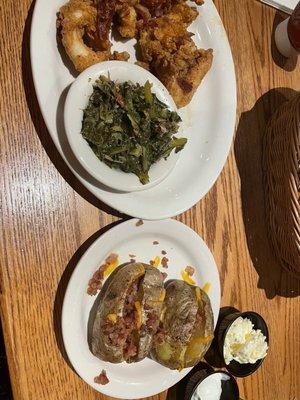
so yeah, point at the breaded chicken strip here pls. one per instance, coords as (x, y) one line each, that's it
(167, 47)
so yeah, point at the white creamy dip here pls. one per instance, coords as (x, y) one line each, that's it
(243, 343)
(210, 388)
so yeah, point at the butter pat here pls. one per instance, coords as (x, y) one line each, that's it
(243, 343)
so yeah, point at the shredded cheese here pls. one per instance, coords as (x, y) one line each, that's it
(111, 267)
(138, 314)
(198, 293)
(112, 318)
(156, 261)
(163, 295)
(206, 287)
(186, 277)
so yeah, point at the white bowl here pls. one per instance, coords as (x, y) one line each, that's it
(77, 100)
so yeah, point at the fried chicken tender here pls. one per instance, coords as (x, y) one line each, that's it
(172, 55)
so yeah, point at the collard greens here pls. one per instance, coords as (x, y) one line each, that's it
(128, 128)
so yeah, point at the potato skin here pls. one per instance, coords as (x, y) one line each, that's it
(112, 301)
(184, 344)
(152, 287)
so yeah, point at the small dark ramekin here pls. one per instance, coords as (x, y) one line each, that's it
(199, 376)
(234, 367)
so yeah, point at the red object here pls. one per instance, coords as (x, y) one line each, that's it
(293, 28)
(101, 379)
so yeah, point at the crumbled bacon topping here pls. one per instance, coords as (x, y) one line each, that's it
(95, 283)
(139, 222)
(155, 242)
(120, 332)
(111, 258)
(163, 252)
(164, 262)
(101, 379)
(190, 270)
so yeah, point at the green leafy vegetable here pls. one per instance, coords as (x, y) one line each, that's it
(128, 128)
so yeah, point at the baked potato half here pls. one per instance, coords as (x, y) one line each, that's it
(186, 326)
(128, 312)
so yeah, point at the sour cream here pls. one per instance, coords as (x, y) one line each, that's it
(243, 343)
(211, 387)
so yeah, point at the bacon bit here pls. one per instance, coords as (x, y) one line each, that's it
(90, 291)
(132, 260)
(95, 283)
(97, 275)
(155, 242)
(130, 350)
(112, 261)
(101, 379)
(163, 252)
(132, 256)
(164, 262)
(190, 270)
(139, 222)
(165, 275)
(113, 257)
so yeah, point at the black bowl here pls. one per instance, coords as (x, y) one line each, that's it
(234, 367)
(230, 390)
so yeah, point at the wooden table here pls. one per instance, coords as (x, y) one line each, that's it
(49, 218)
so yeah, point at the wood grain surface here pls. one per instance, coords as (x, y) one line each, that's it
(49, 218)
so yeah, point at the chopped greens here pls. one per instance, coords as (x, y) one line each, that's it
(128, 128)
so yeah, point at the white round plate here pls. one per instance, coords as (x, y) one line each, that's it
(208, 121)
(77, 100)
(184, 247)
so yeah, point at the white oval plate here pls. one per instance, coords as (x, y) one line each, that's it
(184, 247)
(208, 121)
(77, 100)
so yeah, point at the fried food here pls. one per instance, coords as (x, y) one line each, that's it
(77, 22)
(105, 12)
(158, 7)
(186, 326)
(172, 55)
(126, 19)
(166, 46)
(77, 18)
(128, 313)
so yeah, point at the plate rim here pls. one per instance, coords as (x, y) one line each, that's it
(118, 205)
(131, 224)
